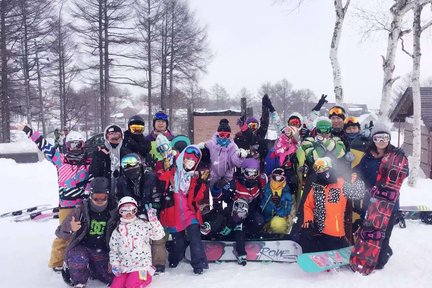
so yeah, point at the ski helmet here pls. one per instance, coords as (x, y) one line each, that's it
(323, 125)
(131, 165)
(191, 155)
(250, 168)
(100, 185)
(75, 142)
(295, 116)
(338, 111)
(160, 116)
(127, 200)
(322, 164)
(136, 124)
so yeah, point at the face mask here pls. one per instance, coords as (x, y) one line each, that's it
(351, 136)
(96, 208)
(326, 177)
(132, 173)
(224, 142)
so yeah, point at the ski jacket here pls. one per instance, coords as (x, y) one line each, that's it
(81, 212)
(137, 144)
(270, 209)
(250, 194)
(223, 160)
(130, 248)
(325, 205)
(330, 147)
(73, 175)
(152, 139)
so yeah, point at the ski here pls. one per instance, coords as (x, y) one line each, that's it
(24, 211)
(41, 215)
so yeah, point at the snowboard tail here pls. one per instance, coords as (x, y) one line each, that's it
(314, 262)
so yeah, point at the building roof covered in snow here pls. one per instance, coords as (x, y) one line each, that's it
(405, 107)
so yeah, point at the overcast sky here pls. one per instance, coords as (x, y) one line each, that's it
(255, 41)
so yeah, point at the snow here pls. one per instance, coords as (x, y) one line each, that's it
(25, 247)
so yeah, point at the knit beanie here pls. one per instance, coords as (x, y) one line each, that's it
(380, 128)
(224, 126)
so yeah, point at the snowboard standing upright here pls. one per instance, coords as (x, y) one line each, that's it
(392, 172)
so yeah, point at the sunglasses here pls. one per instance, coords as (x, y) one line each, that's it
(129, 209)
(161, 116)
(163, 148)
(129, 161)
(99, 197)
(381, 138)
(224, 134)
(253, 125)
(351, 120)
(320, 166)
(294, 122)
(336, 111)
(136, 128)
(250, 172)
(324, 130)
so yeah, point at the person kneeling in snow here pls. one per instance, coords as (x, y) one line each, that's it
(130, 250)
(89, 228)
(324, 209)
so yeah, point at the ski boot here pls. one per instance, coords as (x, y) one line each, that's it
(198, 271)
(160, 269)
(242, 260)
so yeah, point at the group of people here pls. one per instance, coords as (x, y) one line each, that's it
(118, 206)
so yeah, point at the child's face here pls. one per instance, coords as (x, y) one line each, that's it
(128, 211)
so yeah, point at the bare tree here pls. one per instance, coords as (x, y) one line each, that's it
(282, 90)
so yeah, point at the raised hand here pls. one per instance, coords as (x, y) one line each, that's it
(75, 224)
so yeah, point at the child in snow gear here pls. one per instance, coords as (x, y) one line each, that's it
(73, 177)
(276, 202)
(324, 208)
(88, 230)
(139, 182)
(134, 139)
(130, 252)
(184, 214)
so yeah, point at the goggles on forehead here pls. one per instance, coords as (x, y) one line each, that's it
(161, 116)
(336, 111)
(383, 137)
(129, 161)
(136, 128)
(128, 209)
(253, 125)
(351, 120)
(163, 148)
(294, 122)
(278, 175)
(324, 130)
(224, 134)
(320, 166)
(250, 172)
(192, 150)
(99, 197)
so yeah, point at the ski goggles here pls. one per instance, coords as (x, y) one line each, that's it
(136, 128)
(99, 197)
(161, 116)
(336, 111)
(320, 166)
(163, 148)
(129, 161)
(253, 125)
(224, 134)
(278, 175)
(351, 120)
(250, 173)
(75, 145)
(324, 130)
(128, 209)
(192, 153)
(294, 122)
(382, 137)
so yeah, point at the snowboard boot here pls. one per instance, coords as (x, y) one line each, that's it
(242, 260)
(198, 271)
(57, 269)
(160, 269)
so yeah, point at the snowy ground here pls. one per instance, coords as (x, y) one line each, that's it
(25, 247)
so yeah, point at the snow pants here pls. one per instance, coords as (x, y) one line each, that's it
(198, 256)
(59, 245)
(131, 280)
(311, 241)
(83, 261)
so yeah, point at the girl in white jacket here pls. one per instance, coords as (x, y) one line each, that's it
(130, 250)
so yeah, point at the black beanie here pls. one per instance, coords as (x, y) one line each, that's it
(136, 119)
(113, 128)
(224, 126)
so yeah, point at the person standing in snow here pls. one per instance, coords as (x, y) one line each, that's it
(130, 251)
(160, 127)
(88, 230)
(134, 139)
(73, 177)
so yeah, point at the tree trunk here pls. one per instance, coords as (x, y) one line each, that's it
(171, 64)
(101, 68)
(337, 32)
(415, 78)
(41, 104)
(5, 105)
(25, 61)
(149, 60)
(106, 65)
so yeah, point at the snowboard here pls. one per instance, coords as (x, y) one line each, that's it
(314, 262)
(391, 173)
(422, 212)
(285, 251)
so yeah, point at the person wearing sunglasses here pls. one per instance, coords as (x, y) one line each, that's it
(130, 249)
(368, 170)
(73, 171)
(182, 214)
(322, 226)
(134, 139)
(88, 230)
(276, 202)
(251, 136)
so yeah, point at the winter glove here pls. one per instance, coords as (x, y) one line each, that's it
(366, 133)
(151, 213)
(304, 132)
(320, 103)
(201, 145)
(242, 153)
(241, 120)
(349, 156)
(267, 103)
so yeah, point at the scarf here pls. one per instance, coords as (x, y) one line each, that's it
(114, 155)
(96, 208)
(276, 187)
(123, 220)
(224, 142)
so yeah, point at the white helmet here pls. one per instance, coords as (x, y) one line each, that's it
(74, 142)
(127, 200)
